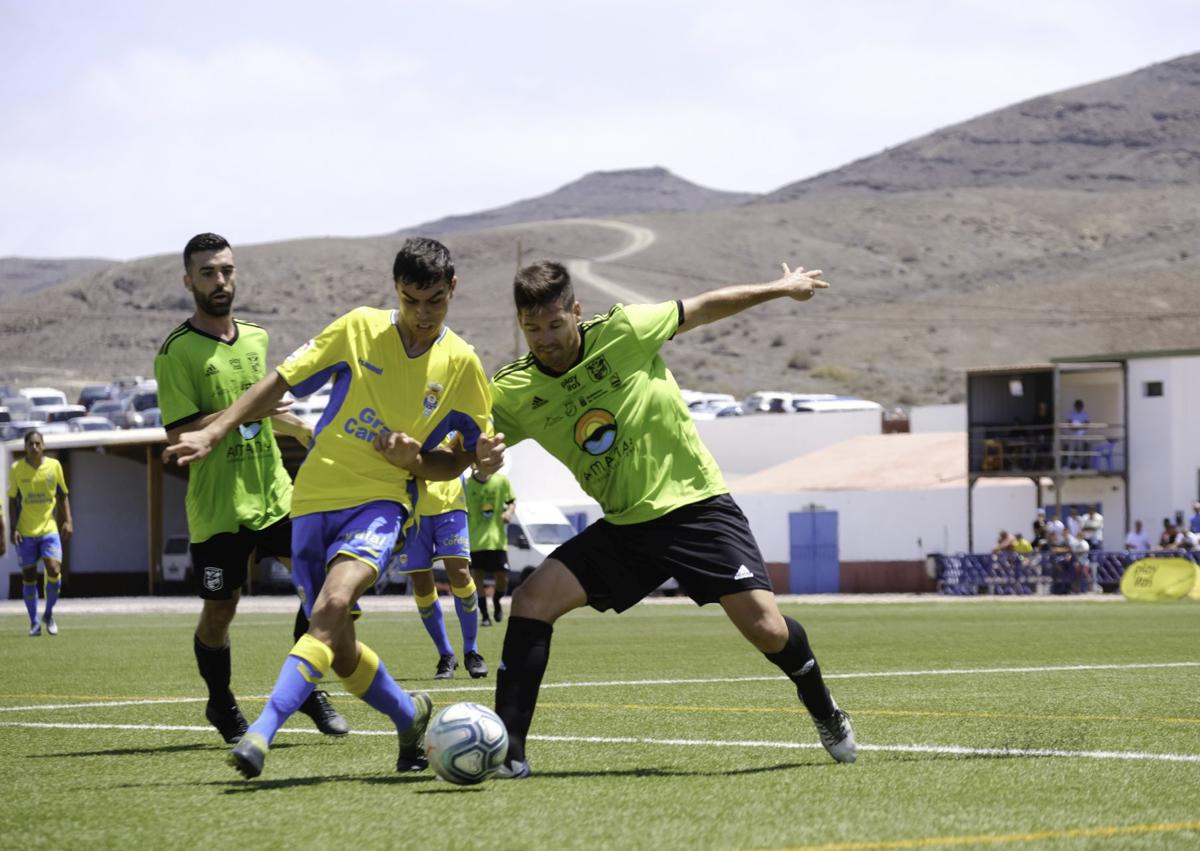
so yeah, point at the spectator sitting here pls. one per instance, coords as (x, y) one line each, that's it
(1005, 543)
(1074, 523)
(1194, 523)
(1021, 546)
(1137, 541)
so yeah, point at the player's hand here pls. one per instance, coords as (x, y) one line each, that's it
(283, 406)
(66, 530)
(398, 448)
(802, 284)
(192, 446)
(17, 537)
(489, 453)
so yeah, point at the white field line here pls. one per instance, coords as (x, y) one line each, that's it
(680, 681)
(949, 750)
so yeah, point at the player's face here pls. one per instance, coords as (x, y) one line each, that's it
(212, 281)
(35, 449)
(552, 334)
(422, 312)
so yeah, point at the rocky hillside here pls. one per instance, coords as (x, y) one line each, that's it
(601, 194)
(1137, 131)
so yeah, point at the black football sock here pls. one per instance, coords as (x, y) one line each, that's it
(522, 665)
(214, 664)
(301, 627)
(796, 659)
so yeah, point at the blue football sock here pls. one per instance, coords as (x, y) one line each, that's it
(466, 603)
(29, 592)
(435, 624)
(52, 588)
(304, 667)
(374, 686)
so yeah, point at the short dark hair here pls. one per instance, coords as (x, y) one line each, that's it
(423, 263)
(543, 284)
(202, 242)
(32, 433)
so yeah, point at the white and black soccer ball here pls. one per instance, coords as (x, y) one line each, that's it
(466, 743)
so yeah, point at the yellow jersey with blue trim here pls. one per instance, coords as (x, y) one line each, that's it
(437, 498)
(378, 387)
(37, 490)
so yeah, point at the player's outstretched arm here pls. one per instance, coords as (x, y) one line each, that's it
(287, 423)
(259, 401)
(713, 305)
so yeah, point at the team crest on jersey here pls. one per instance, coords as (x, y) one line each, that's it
(596, 431)
(597, 368)
(214, 578)
(430, 403)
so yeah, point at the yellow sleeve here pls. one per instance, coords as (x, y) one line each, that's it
(310, 366)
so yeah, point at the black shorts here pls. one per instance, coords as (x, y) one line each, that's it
(220, 563)
(489, 561)
(706, 546)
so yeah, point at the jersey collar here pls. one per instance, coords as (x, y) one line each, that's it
(237, 332)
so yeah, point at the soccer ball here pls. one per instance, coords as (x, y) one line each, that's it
(466, 743)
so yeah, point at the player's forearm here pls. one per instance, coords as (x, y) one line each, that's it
(728, 301)
(254, 404)
(194, 425)
(65, 510)
(440, 465)
(290, 425)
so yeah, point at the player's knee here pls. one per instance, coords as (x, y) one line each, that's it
(767, 631)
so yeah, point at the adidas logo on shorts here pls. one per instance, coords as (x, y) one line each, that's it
(743, 572)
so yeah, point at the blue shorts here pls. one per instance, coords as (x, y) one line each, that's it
(43, 546)
(368, 533)
(440, 536)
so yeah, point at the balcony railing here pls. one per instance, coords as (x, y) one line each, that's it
(1065, 447)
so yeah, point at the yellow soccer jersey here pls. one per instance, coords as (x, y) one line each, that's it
(37, 489)
(377, 387)
(436, 498)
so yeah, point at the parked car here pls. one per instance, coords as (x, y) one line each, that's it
(18, 406)
(110, 409)
(57, 413)
(90, 423)
(137, 411)
(19, 428)
(93, 393)
(43, 395)
(176, 559)
(122, 387)
(537, 528)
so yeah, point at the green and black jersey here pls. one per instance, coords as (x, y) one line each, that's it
(616, 418)
(242, 482)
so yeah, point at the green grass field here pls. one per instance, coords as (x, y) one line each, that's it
(981, 723)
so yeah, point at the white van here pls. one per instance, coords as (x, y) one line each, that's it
(176, 559)
(537, 529)
(43, 395)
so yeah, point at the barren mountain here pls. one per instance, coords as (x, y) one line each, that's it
(949, 252)
(596, 195)
(1137, 131)
(25, 275)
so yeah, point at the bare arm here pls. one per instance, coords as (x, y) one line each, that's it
(66, 527)
(15, 513)
(442, 463)
(718, 304)
(287, 423)
(509, 510)
(255, 404)
(201, 422)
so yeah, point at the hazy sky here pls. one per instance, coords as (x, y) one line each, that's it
(129, 126)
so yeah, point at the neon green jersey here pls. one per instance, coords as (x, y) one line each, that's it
(242, 482)
(616, 418)
(486, 502)
(38, 489)
(378, 387)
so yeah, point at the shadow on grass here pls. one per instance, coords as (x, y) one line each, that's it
(149, 751)
(241, 787)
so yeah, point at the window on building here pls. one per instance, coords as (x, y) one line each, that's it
(1152, 388)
